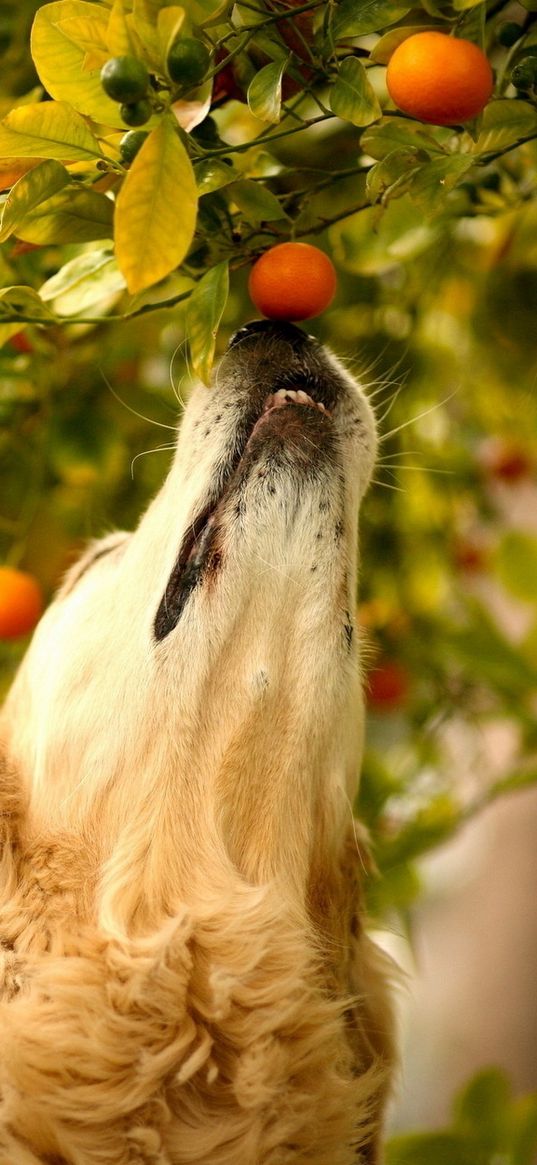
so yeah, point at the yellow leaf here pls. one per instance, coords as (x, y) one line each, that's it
(23, 303)
(61, 61)
(50, 129)
(88, 32)
(71, 216)
(155, 210)
(169, 24)
(118, 36)
(13, 169)
(33, 188)
(146, 10)
(145, 41)
(94, 60)
(7, 331)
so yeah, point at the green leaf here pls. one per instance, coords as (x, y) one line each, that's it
(525, 1130)
(48, 130)
(377, 785)
(431, 826)
(393, 133)
(264, 94)
(256, 203)
(430, 1149)
(156, 209)
(22, 302)
(201, 11)
(33, 188)
(433, 180)
(434, 8)
(514, 782)
(213, 173)
(397, 889)
(203, 314)
(374, 241)
(62, 62)
(72, 216)
(90, 279)
(392, 177)
(516, 564)
(489, 658)
(504, 123)
(352, 96)
(352, 19)
(483, 1110)
(382, 51)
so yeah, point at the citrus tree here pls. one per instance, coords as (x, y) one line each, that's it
(150, 154)
(194, 194)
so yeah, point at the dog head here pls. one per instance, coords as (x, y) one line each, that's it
(209, 658)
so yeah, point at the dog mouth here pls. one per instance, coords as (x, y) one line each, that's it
(200, 552)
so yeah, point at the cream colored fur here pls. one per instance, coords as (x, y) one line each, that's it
(184, 972)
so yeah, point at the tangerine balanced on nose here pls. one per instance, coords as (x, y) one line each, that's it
(292, 281)
(438, 78)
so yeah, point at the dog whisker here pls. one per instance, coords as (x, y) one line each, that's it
(413, 420)
(158, 449)
(415, 468)
(386, 485)
(135, 413)
(393, 400)
(182, 347)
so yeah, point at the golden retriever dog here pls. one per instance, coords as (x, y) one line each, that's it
(184, 973)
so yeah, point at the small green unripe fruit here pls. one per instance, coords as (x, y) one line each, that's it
(188, 61)
(125, 79)
(136, 112)
(524, 75)
(131, 143)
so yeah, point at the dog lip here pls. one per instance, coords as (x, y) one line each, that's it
(186, 573)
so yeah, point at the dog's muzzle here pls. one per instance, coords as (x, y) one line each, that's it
(288, 392)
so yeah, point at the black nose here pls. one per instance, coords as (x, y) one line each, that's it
(273, 329)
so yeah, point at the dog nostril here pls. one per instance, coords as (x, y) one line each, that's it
(273, 329)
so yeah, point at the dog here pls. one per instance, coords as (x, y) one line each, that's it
(185, 974)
